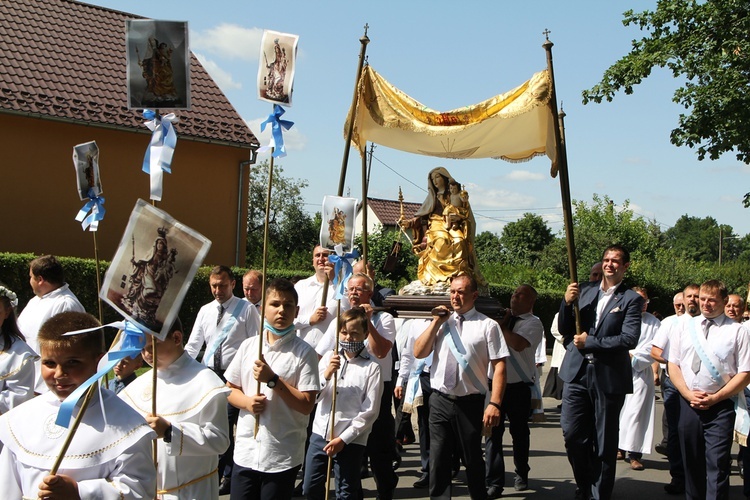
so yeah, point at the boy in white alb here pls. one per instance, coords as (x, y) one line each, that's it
(358, 393)
(266, 464)
(191, 421)
(107, 459)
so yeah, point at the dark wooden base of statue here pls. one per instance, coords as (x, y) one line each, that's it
(420, 306)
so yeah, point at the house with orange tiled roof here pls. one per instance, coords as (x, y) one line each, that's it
(62, 83)
(385, 213)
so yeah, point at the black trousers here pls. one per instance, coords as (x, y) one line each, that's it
(423, 421)
(381, 446)
(672, 400)
(590, 422)
(249, 484)
(456, 420)
(706, 439)
(516, 406)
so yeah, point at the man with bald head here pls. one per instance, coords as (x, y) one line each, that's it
(596, 272)
(678, 303)
(735, 307)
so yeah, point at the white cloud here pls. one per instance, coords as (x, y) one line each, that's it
(222, 78)
(294, 140)
(228, 41)
(524, 175)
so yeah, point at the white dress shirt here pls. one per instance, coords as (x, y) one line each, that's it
(530, 328)
(310, 296)
(358, 393)
(483, 342)
(728, 340)
(205, 329)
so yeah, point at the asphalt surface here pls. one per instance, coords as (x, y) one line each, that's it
(550, 476)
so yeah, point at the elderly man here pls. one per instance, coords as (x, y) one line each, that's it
(735, 307)
(678, 302)
(596, 371)
(522, 332)
(381, 333)
(465, 344)
(51, 296)
(709, 363)
(222, 325)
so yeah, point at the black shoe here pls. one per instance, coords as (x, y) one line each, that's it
(520, 483)
(661, 449)
(423, 481)
(580, 496)
(364, 472)
(298, 490)
(494, 492)
(674, 488)
(225, 485)
(456, 470)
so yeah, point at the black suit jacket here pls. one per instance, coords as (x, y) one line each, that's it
(618, 331)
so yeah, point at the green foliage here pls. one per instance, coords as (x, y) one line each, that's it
(524, 241)
(699, 239)
(706, 45)
(292, 233)
(379, 247)
(488, 248)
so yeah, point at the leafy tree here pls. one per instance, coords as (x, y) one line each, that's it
(487, 247)
(705, 43)
(698, 239)
(524, 240)
(292, 233)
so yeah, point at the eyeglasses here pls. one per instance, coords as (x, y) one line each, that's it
(357, 289)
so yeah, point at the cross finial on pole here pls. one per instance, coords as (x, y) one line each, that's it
(546, 33)
(367, 26)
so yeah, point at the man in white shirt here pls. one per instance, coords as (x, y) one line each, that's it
(381, 334)
(734, 308)
(314, 317)
(659, 351)
(522, 332)
(51, 296)
(222, 325)
(709, 363)
(464, 343)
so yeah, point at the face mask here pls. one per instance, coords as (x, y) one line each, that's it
(353, 347)
(279, 333)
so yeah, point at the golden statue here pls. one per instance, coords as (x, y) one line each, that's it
(444, 231)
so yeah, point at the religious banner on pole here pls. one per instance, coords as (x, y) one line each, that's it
(86, 161)
(152, 269)
(338, 223)
(158, 64)
(276, 67)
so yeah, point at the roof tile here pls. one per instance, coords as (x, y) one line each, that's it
(48, 69)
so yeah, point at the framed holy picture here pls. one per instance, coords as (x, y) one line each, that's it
(158, 64)
(337, 226)
(152, 269)
(278, 53)
(86, 163)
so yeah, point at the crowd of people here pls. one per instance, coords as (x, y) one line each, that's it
(244, 405)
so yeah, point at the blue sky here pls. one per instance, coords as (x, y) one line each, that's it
(449, 54)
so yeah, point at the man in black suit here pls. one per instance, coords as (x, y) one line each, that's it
(596, 371)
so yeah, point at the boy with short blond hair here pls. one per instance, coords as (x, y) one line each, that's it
(266, 464)
(358, 393)
(107, 459)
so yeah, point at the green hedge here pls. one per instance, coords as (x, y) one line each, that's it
(81, 275)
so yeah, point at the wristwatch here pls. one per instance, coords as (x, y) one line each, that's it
(272, 383)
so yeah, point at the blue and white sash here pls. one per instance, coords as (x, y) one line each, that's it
(209, 354)
(742, 418)
(459, 352)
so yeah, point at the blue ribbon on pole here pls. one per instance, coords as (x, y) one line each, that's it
(158, 157)
(133, 341)
(96, 206)
(342, 262)
(277, 138)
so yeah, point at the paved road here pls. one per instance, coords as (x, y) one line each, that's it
(551, 476)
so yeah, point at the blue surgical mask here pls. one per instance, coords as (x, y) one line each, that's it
(279, 333)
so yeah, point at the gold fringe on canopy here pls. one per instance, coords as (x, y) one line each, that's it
(514, 126)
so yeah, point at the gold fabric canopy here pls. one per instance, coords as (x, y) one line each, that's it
(514, 126)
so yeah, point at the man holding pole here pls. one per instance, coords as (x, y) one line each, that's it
(596, 371)
(317, 306)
